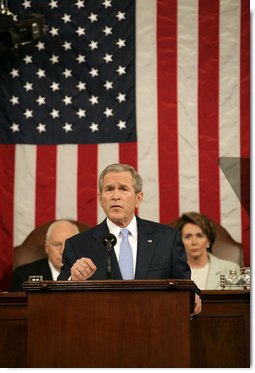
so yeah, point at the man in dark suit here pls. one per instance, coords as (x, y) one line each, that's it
(50, 266)
(157, 250)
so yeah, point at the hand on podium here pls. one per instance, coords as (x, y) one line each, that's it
(197, 308)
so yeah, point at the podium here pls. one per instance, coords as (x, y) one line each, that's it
(109, 324)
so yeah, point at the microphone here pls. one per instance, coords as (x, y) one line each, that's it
(109, 241)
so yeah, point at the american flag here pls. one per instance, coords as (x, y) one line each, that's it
(159, 84)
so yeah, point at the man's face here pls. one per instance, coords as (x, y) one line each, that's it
(118, 198)
(54, 247)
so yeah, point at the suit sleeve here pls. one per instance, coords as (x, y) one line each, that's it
(179, 265)
(69, 258)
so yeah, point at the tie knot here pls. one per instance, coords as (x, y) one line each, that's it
(124, 232)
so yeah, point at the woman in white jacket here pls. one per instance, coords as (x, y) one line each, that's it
(198, 236)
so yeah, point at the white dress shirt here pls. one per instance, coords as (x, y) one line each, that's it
(132, 237)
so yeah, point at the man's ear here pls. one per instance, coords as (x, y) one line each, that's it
(99, 199)
(139, 199)
(46, 247)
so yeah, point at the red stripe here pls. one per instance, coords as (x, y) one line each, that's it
(128, 153)
(167, 109)
(87, 184)
(45, 203)
(7, 161)
(208, 108)
(245, 127)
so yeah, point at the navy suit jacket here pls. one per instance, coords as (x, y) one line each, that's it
(160, 253)
(21, 273)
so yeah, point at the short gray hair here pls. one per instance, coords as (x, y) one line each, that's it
(118, 167)
(58, 222)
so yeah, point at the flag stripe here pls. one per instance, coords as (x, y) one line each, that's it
(187, 105)
(146, 106)
(208, 101)
(7, 172)
(87, 184)
(45, 192)
(66, 197)
(24, 191)
(167, 109)
(229, 108)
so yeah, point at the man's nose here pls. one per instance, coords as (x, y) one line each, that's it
(115, 194)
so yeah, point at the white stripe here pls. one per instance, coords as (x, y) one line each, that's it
(187, 105)
(107, 154)
(229, 109)
(66, 188)
(24, 192)
(146, 106)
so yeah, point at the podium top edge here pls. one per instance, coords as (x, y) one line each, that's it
(109, 285)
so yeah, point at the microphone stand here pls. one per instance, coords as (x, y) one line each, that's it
(109, 258)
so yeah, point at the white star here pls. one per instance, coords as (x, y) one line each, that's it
(67, 73)
(28, 86)
(107, 3)
(40, 73)
(81, 58)
(121, 43)
(94, 127)
(54, 113)
(81, 113)
(54, 58)
(108, 85)
(14, 100)
(53, 4)
(14, 127)
(40, 100)
(40, 45)
(55, 86)
(107, 58)
(107, 30)
(26, 4)
(93, 72)
(67, 127)
(121, 70)
(121, 97)
(108, 112)
(80, 4)
(93, 44)
(67, 100)
(120, 16)
(121, 124)
(54, 31)
(41, 127)
(81, 31)
(14, 73)
(28, 113)
(28, 59)
(66, 18)
(93, 100)
(67, 45)
(81, 86)
(93, 17)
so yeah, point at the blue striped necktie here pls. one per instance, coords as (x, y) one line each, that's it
(126, 256)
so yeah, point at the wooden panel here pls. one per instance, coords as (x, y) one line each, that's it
(109, 329)
(13, 326)
(220, 336)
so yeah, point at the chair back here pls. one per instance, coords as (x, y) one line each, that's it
(224, 247)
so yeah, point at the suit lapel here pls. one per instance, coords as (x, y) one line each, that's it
(146, 245)
(101, 251)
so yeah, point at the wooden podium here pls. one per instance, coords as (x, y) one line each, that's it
(109, 324)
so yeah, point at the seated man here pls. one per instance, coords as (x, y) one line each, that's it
(50, 266)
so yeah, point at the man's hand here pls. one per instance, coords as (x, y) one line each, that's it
(197, 308)
(82, 269)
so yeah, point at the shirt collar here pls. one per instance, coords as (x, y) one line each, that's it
(115, 229)
(54, 271)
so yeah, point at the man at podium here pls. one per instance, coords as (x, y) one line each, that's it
(125, 246)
